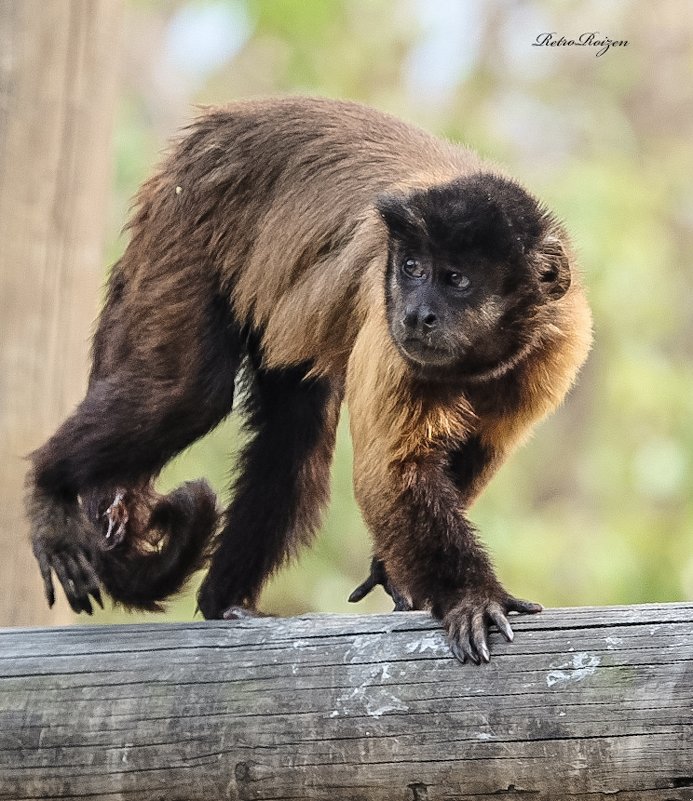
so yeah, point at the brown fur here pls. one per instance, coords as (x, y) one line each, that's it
(258, 241)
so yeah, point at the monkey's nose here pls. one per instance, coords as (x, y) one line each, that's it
(421, 319)
(428, 320)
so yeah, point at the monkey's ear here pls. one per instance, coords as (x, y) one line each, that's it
(398, 215)
(553, 268)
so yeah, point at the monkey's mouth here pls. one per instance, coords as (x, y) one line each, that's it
(424, 353)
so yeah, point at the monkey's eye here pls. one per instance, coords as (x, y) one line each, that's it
(413, 269)
(459, 281)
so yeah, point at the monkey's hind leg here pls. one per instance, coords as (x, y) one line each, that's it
(281, 488)
(143, 406)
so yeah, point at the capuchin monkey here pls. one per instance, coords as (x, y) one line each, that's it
(318, 251)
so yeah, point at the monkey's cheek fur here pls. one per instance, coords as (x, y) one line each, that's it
(467, 622)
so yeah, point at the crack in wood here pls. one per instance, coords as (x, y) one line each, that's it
(419, 791)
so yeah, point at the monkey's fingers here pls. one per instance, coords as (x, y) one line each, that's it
(378, 577)
(462, 652)
(117, 517)
(64, 570)
(77, 578)
(497, 615)
(89, 578)
(479, 632)
(46, 575)
(402, 603)
(525, 607)
(363, 589)
(467, 623)
(459, 637)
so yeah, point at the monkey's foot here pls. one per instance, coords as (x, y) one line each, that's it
(467, 622)
(215, 602)
(378, 576)
(117, 517)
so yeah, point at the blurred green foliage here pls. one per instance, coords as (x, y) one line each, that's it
(597, 508)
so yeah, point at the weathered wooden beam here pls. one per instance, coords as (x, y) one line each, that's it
(586, 704)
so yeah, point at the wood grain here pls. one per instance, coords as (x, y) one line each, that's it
(586, 704)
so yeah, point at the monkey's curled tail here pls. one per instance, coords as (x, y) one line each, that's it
(151, 544)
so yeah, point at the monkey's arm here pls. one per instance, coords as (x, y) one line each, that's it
(431, 554)
(471, 465)
(417, 466)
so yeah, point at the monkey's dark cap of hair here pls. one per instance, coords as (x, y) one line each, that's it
(482, 212)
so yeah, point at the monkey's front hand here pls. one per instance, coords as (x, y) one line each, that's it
(467, 621)
(378, 576)
(59, 546)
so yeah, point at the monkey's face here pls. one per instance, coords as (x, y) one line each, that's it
(451, 314)
(469, 265)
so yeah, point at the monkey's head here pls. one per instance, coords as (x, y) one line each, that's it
(470, 266)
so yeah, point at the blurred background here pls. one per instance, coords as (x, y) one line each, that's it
(597, 508)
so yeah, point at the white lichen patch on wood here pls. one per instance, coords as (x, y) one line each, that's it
(434, 642)
(371, 696)
(581, 666)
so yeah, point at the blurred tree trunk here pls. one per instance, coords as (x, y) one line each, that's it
(58, 70)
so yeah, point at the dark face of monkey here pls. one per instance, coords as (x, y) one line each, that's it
(470, 264)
